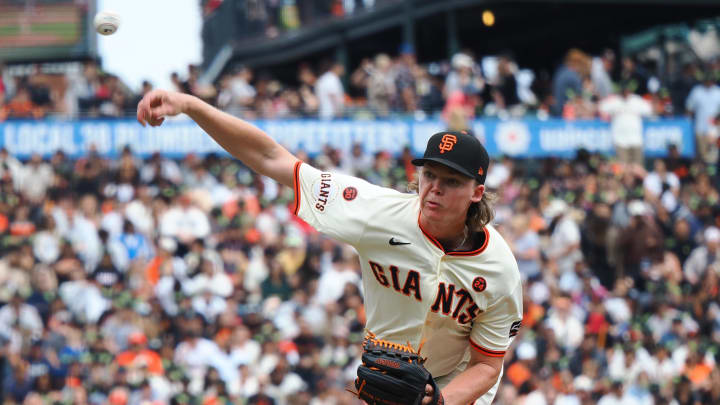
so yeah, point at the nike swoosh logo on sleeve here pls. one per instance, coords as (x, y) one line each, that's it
(394, 242)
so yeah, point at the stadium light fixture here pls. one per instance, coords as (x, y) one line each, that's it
(488, 18)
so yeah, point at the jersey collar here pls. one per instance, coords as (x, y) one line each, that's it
(438, 245)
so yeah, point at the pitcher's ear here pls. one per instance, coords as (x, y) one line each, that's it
(478, 193)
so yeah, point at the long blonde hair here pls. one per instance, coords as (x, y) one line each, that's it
(479, 213)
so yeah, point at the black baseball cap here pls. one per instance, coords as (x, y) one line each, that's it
(459, 150)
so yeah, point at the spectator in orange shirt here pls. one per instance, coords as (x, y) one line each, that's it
(21, 106)
(138, 355)
(696, 370)
(118, 396)
(520, 371)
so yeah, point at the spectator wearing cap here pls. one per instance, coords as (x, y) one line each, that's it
(626, 112)
(139, 356)
(676, 335)
(704, 258)
(520, 371)
(462, 78)
(703, 103)
(583, 386)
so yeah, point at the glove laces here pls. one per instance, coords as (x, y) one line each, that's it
(372, 338)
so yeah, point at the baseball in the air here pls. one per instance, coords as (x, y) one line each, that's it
(106, 22)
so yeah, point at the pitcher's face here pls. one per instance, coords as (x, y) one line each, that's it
(446, 194)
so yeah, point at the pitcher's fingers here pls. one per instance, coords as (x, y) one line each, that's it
(154, 122)
(143, 112)
(140, 113)
(148, 103)
(160, 112)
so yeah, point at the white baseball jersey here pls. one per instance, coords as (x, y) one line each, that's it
(414, 290)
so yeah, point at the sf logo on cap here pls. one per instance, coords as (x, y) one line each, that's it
(447, 143)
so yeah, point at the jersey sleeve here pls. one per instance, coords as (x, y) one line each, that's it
(494, 329)
(335, 204)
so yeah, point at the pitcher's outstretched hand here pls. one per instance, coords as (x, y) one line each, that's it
(158, 104)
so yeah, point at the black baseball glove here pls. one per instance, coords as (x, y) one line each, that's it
(393, 374)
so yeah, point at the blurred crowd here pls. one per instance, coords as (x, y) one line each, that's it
(270, 18)
(464, 87)
(150, 281)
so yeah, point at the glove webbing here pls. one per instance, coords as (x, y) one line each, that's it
(371, 342)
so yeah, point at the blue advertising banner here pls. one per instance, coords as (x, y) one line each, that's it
(176, 138)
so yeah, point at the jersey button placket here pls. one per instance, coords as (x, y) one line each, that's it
(440, 264)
